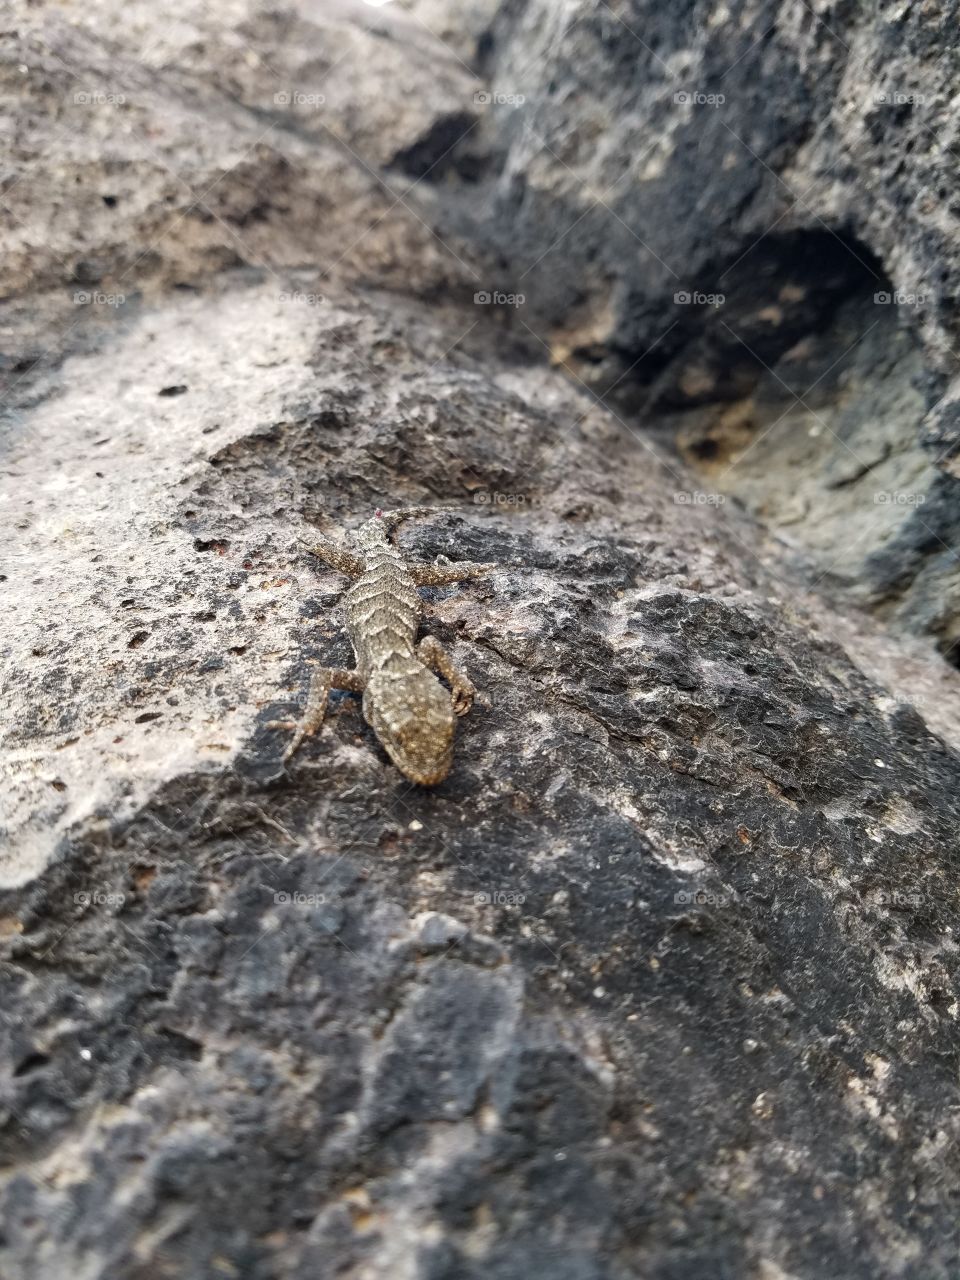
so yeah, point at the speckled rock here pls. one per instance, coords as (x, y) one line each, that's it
(662, 981)
(690, 195)
(231, 137)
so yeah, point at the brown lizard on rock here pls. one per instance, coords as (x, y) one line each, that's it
(405, 704)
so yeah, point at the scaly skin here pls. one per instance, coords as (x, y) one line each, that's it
(405, 704)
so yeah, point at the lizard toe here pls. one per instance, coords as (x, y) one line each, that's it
(462, 701)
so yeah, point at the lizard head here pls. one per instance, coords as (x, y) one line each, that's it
(414, 720)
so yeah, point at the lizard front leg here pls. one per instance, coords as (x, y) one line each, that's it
(433, 655)
(439, 575)
(321, 682)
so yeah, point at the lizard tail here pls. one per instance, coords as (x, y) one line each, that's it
(392, 519)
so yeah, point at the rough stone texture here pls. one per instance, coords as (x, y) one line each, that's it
(876, 518)
(799, 161)
(663, 981)
(175, 150)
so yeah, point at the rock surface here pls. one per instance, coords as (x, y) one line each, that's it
(690, 195)
(663, 980)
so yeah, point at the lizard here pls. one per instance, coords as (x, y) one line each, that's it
(409, 710)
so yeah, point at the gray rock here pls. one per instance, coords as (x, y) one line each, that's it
(663, 980)
(689, 196)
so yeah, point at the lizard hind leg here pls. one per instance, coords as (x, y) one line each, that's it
(321, 682)
(441, 574)
(340, 558)
(433, 655)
